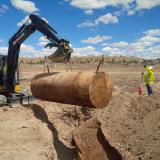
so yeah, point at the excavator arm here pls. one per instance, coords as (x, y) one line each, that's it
(21, 35)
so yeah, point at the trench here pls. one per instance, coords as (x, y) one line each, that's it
(66, 153)
(112, 152)
(63, 151)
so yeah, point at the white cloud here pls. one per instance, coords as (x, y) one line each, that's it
(136, 47)
(147, 46)
(139, 44)
(111, 51)
(27, 48)
(85, 51)
(3, 9)
(96, 39)
(25, 19)
(147, 4)
(104, 19)
(107, 18)
(25, 5)
(130, 6)
(154, 51)
(3, 50)
(88, 12)
(153, 32)
(131, 12)
(141, 5)
(43, 41)
(30, 51)
(42, 38)
(121, 44)
(96, 4)
(150, 39)
(1, 40)
(87, 23)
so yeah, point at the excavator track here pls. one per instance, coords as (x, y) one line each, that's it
(14, 99)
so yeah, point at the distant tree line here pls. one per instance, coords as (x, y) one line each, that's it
(94, 60)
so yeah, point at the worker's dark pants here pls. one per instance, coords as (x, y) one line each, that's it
(149, 89)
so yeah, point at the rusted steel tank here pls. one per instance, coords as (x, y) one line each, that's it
(88, 89)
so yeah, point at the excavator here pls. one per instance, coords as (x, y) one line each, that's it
(9, 68)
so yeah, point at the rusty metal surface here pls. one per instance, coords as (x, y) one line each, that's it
(86, 89)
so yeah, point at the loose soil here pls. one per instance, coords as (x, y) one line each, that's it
(44, 130)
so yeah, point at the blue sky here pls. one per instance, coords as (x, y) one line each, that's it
(93, 27)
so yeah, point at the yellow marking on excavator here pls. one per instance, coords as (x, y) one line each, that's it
(17, 88)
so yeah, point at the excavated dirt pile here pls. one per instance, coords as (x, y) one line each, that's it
(127, 129)
(132, 125)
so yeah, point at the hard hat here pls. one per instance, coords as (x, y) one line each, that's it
(150, 67)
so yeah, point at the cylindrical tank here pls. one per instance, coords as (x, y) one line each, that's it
(88, 89)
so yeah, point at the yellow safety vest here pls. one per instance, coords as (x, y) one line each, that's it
(149, 76)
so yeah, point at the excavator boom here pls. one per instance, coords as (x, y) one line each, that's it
(10, 79)
(37, 23)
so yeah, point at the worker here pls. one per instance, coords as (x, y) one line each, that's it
(148, 78)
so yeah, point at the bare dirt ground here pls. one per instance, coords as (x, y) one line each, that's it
(43, 130)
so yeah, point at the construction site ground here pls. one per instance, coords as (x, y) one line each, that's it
(43, 130)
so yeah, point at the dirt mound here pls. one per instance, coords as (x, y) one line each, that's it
(132, 125)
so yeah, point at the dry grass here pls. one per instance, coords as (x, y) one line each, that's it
(94, 60)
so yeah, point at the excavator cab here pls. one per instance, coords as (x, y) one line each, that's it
(3, 74)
